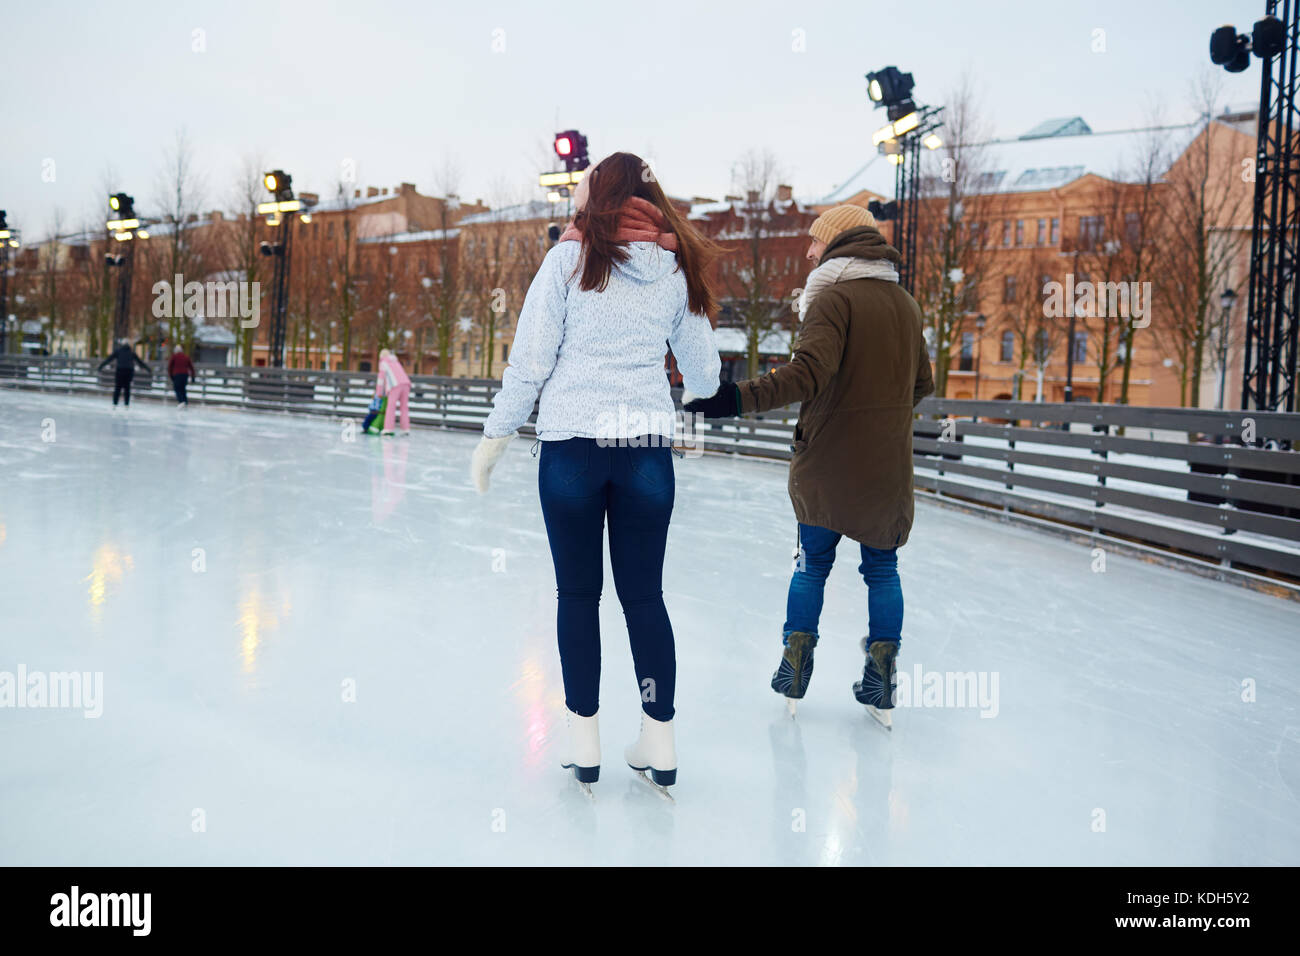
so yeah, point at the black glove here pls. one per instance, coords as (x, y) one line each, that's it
(724, 403)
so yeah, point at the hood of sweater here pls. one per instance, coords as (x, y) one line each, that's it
(860, 242)
(646, 262)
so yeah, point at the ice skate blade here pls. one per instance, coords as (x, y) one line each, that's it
(881, 717)
(586, 789)
(657, 788)
(790, 705)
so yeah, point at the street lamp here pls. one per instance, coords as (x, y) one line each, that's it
(979, 337)
(1226, 301)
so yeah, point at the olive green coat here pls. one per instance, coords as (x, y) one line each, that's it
(860, 366)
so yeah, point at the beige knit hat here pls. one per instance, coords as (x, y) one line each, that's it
(838, 218)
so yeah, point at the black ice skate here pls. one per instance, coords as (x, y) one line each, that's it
(876, 689)
(796, 667)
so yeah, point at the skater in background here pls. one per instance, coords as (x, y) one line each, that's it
(395, 384)
(859, 368)
(126, 360)
(627, 278)
(181, 369)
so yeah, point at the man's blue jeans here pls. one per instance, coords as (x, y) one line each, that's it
(879, 569)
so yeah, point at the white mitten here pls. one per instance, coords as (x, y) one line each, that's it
(486, 456)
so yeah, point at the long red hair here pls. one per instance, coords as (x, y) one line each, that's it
(610, 183)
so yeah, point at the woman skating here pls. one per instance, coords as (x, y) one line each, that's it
(625, 282)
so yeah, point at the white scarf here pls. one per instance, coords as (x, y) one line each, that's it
(842, 269)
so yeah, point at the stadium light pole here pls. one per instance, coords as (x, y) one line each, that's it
(280, 212)
(124, 228)
(910, 127)
(1273, 302)
(571, 147)
(9, 239)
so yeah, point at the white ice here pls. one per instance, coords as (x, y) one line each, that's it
(1126, 727)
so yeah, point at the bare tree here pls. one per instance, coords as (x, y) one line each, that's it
(239, 244)
(956, 226)
(1035, 332)
(182, 189)
(443, 291)
(1197, 245)
(753, 280)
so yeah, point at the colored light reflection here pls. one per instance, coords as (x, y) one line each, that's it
(107, 569)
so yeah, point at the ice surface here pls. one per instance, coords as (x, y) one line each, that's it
(1121, 735)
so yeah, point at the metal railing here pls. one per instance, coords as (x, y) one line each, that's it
(1177, 479)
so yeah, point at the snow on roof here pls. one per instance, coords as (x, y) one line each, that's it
(206, 334)
(1046, 161)
(427, 235)
(702, 210)
(1061, 126)
(736, 342)
(523, 212)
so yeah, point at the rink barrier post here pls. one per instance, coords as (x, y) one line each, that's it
(1183, 480)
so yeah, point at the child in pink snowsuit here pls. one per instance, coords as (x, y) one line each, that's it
(394, 382)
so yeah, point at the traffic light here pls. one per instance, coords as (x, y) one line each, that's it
(571, 146)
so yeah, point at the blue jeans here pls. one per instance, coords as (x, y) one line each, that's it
(879, 569)
(580, 483)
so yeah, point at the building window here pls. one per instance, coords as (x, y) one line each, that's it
(1009, 289)
(1042, 347)
(1006, 232)
(1092, 229)
(1008, 346)
(1020, 232)
(464, 351)
(1133, 228)
(1042, 232)
(1056, 233)
(505, 354)
(1080, 346)
(967, 352)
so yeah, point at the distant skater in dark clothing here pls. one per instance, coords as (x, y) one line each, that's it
(181, 370)
(126, 360)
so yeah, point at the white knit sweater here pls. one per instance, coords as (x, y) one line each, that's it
(597, 358)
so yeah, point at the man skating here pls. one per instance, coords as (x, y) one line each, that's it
(860, 366)
(124, 370)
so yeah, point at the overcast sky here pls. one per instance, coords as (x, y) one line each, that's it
(398, 88)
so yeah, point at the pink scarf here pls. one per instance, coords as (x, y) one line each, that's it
(638, 221)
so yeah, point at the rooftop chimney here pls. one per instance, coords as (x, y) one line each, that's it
(784, 193)
(372, 192)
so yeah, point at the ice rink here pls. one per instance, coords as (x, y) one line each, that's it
(317, 651)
